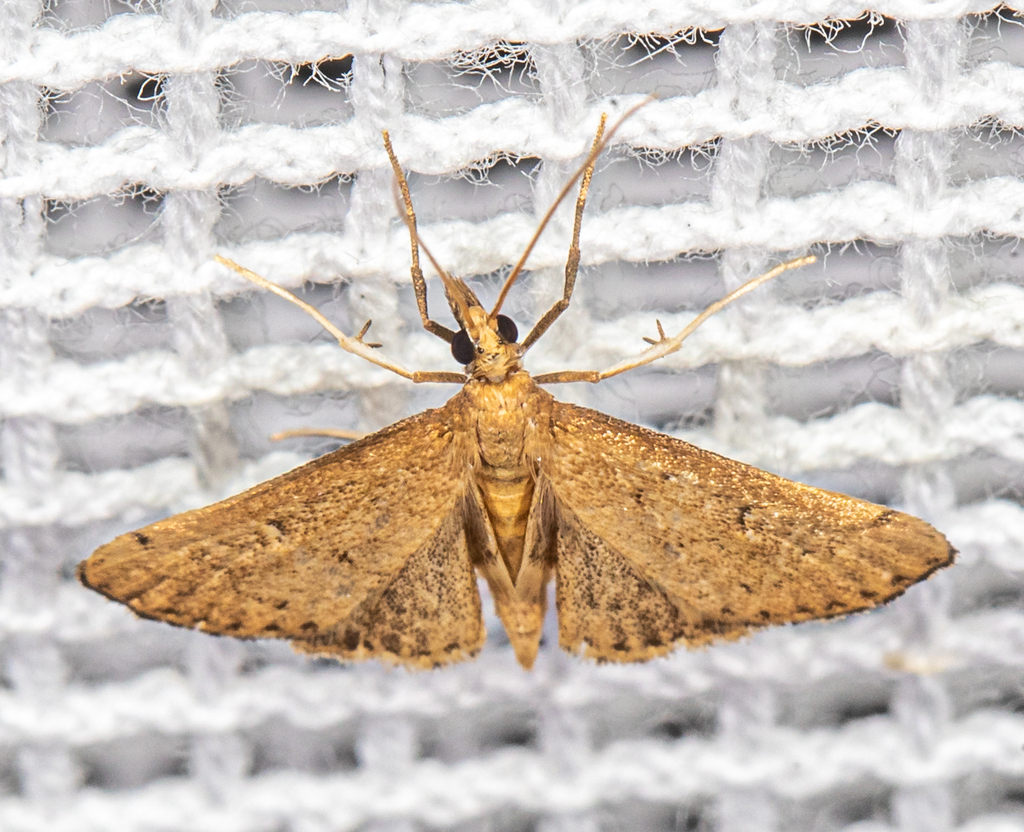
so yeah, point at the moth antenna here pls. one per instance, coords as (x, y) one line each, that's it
(600, 143)
(666, 346)
(346, 342)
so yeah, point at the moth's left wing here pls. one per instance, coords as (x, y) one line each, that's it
(359, 554)
(661, 542)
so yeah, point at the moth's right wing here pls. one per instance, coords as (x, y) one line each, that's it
(660, 542)
(361, 553)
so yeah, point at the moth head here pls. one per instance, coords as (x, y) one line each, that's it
(485, 343)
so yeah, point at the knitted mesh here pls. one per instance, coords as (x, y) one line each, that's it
(138, 378)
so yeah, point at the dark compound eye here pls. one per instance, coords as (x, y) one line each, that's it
(462, 347)
(507, 329)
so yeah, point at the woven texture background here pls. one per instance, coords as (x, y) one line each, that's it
(137, 378)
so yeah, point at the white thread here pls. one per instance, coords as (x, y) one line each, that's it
(449, 794)
(293, 156)
(129, 42)
(167, 701)
(866, 210)
(934, 51)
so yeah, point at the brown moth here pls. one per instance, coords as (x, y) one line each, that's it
(372, 551)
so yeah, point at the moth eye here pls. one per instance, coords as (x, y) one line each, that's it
(462, 347)
(507, 329)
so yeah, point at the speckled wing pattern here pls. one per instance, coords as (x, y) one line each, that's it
(361, 553)
(660, 542)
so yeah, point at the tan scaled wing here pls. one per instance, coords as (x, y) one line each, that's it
(361, 553)
(661, 542)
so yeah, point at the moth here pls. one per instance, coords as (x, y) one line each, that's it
(373, 551)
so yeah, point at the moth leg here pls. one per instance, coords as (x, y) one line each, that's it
(333, 433)
(572, 263)
(362, 336)
(666, 346)
(562, 194)
(356, 346)
(419, 285)
(438, 377)
(566, 376)
(661, 335)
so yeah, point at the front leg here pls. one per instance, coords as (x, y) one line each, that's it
(356, 346)
(419, 285)
(572, 263)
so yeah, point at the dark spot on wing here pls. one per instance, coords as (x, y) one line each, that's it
(884, 518)
(143, 539)
(950, 554)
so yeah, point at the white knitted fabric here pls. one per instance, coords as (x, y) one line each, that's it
(138, 378)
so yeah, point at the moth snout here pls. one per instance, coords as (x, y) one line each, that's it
(496, 365)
